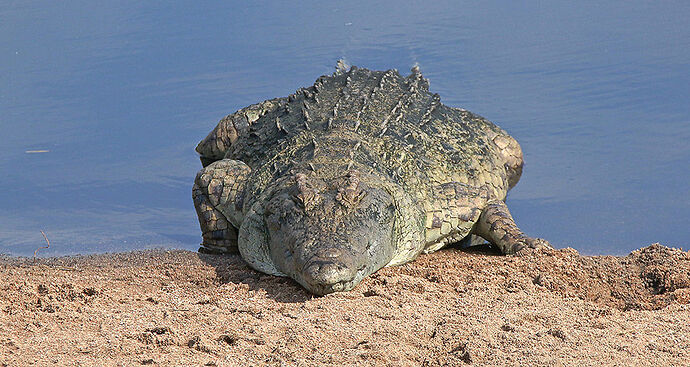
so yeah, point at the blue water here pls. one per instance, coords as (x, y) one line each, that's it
(117, 94)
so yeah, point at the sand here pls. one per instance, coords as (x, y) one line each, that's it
(449, 308)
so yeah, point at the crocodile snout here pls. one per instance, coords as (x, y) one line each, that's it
(330, 270)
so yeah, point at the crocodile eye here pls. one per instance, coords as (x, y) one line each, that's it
(296, 200)
(270, 217)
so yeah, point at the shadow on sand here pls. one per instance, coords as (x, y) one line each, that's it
(230, 268)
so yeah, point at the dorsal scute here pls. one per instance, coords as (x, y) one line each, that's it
(368, 101)
(417, 81)
(341, 67)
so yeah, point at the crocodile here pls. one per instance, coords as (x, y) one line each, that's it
(361, 170)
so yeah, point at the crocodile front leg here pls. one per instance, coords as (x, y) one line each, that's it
(218, 199)
(452, 213)
(497, 226)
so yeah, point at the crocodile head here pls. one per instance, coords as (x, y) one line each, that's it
(328, 234)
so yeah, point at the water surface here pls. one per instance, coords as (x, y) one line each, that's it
(102, 104)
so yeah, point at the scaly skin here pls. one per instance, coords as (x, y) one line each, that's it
(364, 169)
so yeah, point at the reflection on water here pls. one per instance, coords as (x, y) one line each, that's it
(102, 105)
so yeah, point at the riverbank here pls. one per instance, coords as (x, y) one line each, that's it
(452, 307)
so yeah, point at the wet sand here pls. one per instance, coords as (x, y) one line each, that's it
(449, 308)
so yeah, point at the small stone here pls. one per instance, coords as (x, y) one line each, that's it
(90, 291)
(228, 339)
(159, 330)
(42, 289)
(558, 333)
(197, 344)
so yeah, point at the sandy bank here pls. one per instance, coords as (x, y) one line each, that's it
(448, 308)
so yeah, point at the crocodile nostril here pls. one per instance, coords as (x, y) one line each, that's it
(327, 274)
(330, 253)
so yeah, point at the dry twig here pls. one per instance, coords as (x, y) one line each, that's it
(47, 241)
